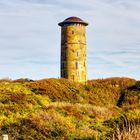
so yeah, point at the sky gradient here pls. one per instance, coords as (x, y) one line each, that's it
(30, 37)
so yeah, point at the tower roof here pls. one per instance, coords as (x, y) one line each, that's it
(73, 20)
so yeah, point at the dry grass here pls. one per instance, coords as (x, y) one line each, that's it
(63, 110)
(132, 132)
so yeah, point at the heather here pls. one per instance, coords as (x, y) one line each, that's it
(63, 110)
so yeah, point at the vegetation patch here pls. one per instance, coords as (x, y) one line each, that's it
(59, 109)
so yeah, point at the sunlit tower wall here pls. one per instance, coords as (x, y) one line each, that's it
(73, 49)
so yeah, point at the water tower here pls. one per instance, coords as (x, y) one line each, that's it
(73, 49)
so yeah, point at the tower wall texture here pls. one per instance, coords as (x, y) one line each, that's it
(73, 52)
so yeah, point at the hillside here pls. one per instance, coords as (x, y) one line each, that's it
(58, 109)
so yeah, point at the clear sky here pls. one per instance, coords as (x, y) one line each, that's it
(30, 37)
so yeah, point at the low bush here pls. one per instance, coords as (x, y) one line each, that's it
(62, 110)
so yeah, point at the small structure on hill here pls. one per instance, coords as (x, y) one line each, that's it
(73, 49)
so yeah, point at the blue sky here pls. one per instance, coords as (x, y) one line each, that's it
(30, 37)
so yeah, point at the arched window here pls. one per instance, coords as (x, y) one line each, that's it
(77, 53)
(76, 65)
(84, 64)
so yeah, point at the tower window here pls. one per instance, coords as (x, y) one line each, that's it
(72, 50)
(84, 64)
(72, 32)
(76, 65)
(77, 53)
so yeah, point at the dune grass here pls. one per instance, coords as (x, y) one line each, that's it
(104, 109)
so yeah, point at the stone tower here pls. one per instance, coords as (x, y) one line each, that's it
(73, 49)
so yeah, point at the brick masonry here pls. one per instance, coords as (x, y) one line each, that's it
(73, 52)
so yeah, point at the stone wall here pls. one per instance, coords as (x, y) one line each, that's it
(73, 52)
